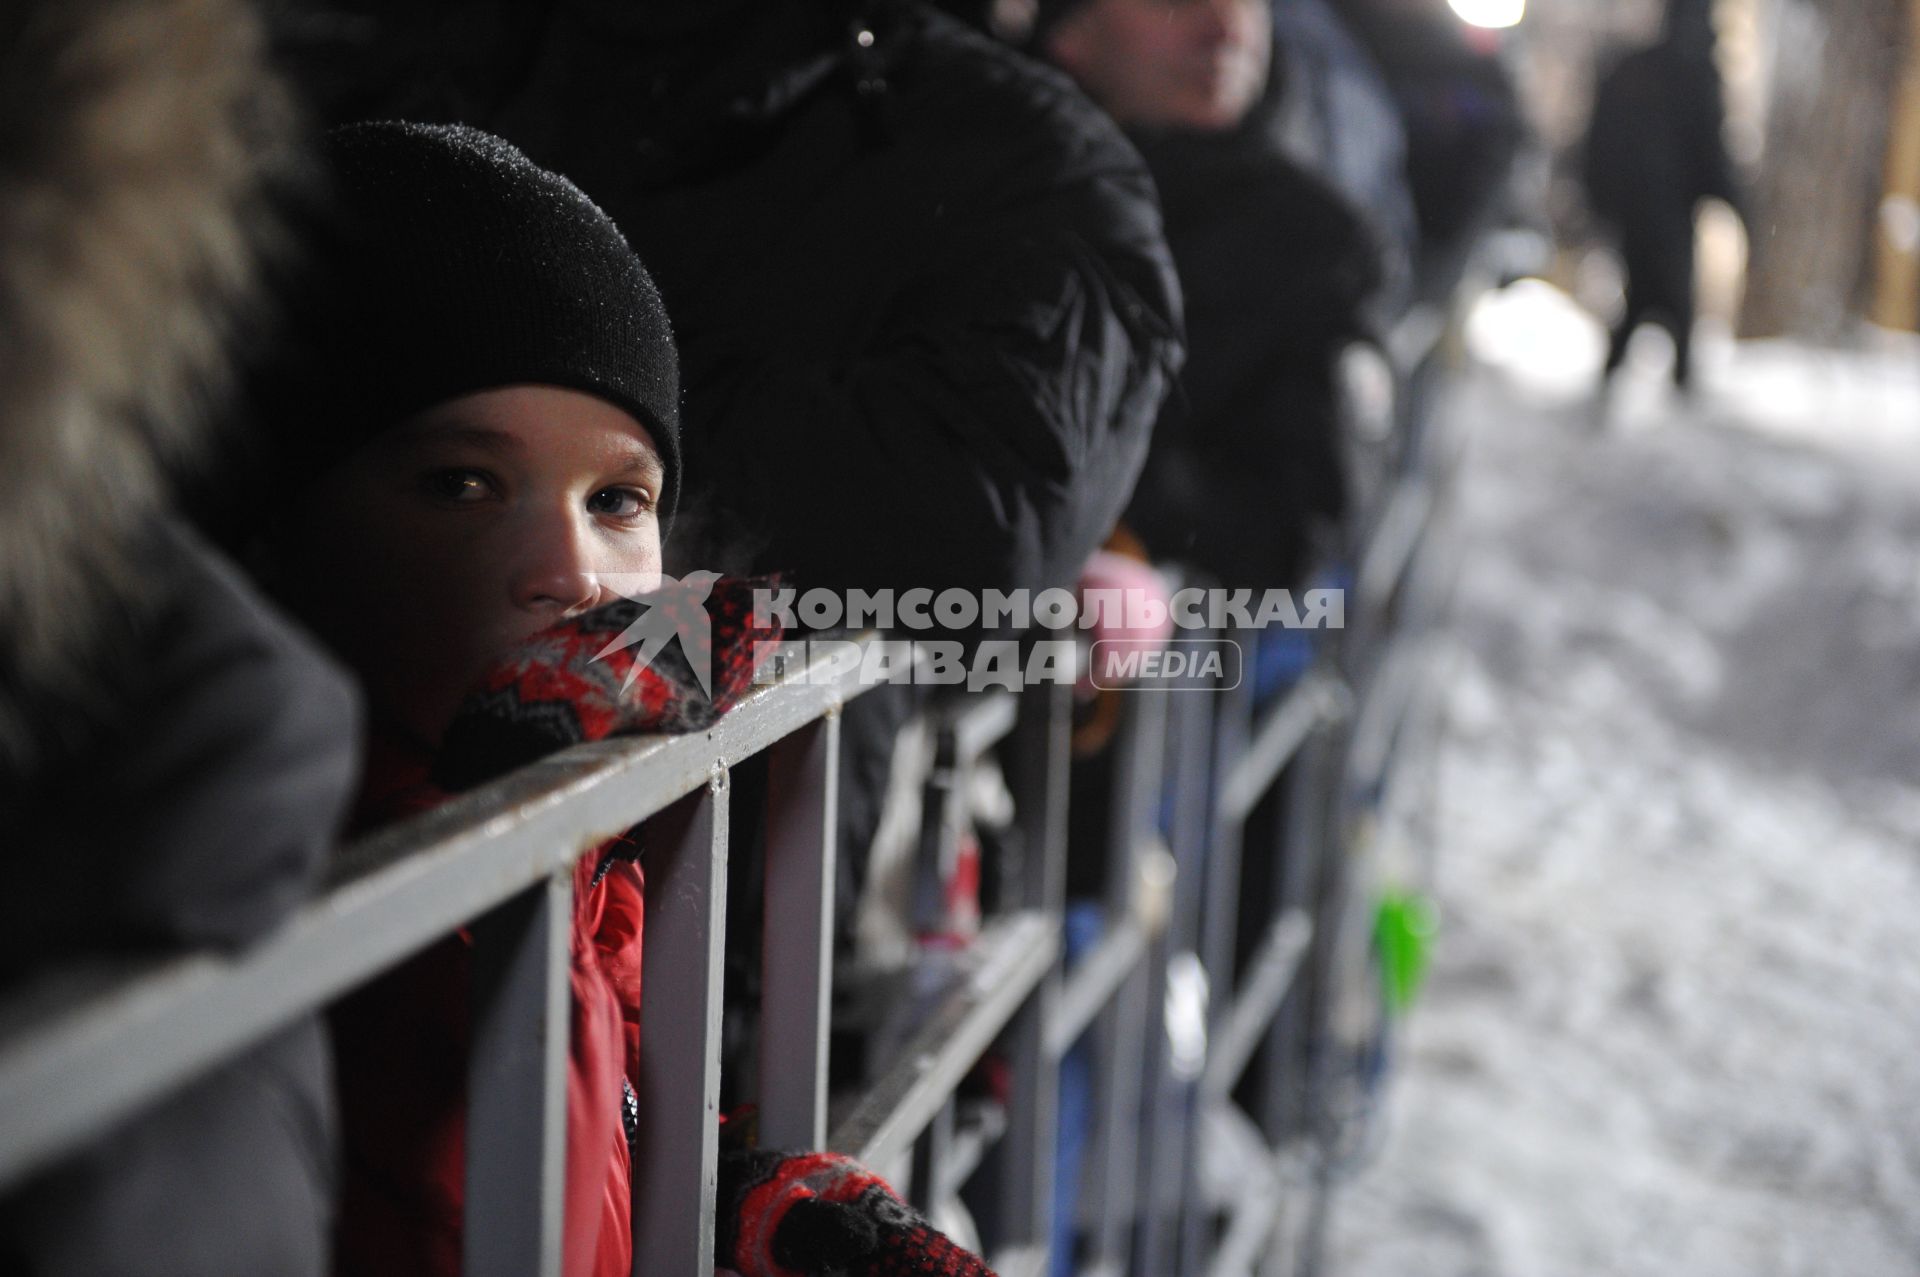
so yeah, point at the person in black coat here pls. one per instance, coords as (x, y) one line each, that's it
(1464, 126)
(175, 758)
(1279, 271)
(907, 267)
(1336, 115)
(1655, 149)
(1246, 479)
(196, 815)
(926, 312)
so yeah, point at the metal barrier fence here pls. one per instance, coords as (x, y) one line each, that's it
(80, 1052)
(1181, 1177)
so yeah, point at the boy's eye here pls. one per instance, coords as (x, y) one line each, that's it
(620, 503)
(458, 486)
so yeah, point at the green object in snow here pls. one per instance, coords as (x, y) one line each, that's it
(1403, 930)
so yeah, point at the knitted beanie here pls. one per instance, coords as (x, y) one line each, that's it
(457, 264)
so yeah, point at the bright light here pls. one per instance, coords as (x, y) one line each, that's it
(1490, 13)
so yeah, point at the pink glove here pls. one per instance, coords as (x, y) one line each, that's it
(1140, 590)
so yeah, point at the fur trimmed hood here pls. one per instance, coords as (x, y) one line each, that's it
(137, 138)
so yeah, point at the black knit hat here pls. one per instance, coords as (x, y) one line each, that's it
(460, 265)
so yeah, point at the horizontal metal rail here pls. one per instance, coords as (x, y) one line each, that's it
(1409, 507)
(1271, 974)
(1010, 959)
(1416, 336)
(82, 1050)
(1095, 982)
(981, 724)
(966, 1151)
(1021, 1261)
(1404, 668)
(1253, 1216)
(1317, 698)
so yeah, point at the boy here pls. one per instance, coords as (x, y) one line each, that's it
(487, 430)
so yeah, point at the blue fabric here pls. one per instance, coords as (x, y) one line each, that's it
(1084, 923)
(1282, 656)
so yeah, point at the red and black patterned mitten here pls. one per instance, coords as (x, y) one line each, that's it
(672, 661)
(806, 1214)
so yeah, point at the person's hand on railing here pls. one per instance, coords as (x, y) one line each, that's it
(804, 1214)
(614, 671)
(1120, 571)
(1143, 593)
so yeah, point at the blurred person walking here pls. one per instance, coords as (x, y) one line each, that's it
(1655, 149)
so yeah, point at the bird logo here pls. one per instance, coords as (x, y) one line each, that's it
(676, 607)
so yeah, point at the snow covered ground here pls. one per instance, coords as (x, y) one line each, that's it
(1673, 1025)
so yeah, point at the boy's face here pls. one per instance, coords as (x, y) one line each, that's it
(444, 542)
(1195, 64)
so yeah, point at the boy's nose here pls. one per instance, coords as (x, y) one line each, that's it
(566, 596)
(557, 573)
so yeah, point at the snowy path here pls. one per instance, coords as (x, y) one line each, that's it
(1674, 1021)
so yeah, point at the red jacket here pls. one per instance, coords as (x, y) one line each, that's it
(402, 1041)
(402, 1048)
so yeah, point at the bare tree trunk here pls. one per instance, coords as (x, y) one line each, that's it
(1819, 187)
(1896, 284)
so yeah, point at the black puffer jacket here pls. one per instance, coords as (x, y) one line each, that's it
(174, 758)
(1280, 271)
(926, 313)
(1655, 143)
(198, 817)
(925, 310)
(1465, 128)
(1337, 116)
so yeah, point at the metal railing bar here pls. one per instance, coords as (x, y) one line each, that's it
(981, 725)
(1275, 966)
(630, 777)
(930, 1153)
(1403, 669)
(1254, 1219)
(1165, 1237)
(1039, 759)
(1395, 538)
(1235, 1158)
(676, 1160)
(1111, 1187)
(517, 1084)
(1021, 1261)
(943, 824)
(1311, 848)
(1317, 698)
(1012, 957)
(969, 1146)
(1225, 868)
(1416, 335)
(797, 954)
(70, 1069)
(82, 1049)
(1095, 982)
